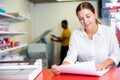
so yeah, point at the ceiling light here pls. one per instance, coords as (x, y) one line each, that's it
(64, 0)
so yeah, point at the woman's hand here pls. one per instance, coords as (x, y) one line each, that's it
(104, 65)
(55, 70)
(101, 66)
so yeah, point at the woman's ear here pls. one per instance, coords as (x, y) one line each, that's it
(96, 14)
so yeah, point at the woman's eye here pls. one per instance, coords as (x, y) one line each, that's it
(80, 19)
(88, 16)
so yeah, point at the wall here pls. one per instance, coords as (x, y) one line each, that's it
(49, 15)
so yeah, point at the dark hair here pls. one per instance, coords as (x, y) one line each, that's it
(64, 23)
(85, 5)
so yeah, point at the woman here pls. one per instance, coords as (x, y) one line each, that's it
(94, 42)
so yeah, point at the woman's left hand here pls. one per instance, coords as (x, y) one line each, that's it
(105, 64)
(101, 66)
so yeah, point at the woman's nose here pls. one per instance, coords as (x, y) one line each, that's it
(85, 20)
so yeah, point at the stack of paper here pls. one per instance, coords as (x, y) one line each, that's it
(85, 68)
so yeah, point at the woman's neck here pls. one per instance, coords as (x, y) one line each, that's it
(92, 31)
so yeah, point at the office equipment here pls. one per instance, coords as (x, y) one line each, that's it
(22, 71)
(41, 48)
(38, 51)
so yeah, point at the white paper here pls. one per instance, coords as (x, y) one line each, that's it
(85, 68)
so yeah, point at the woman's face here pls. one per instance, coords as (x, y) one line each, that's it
(87, 18)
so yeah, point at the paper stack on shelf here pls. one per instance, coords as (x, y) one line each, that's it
(21, 72)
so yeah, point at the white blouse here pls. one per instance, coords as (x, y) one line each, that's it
(103, 45)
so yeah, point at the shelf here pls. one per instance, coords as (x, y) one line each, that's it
(13, 48)
(12, 33)
(3, 16)
(110, 5)
(11, 19)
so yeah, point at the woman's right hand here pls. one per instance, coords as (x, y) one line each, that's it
(55, 70)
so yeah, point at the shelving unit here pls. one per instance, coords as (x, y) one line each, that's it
(15, 69)
(6, 21)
